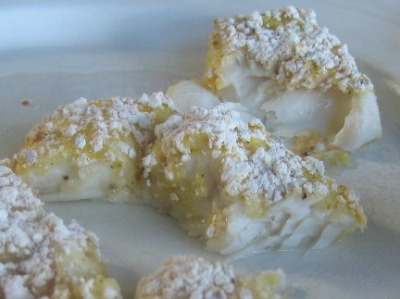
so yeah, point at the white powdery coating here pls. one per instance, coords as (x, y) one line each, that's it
(80, 141)
(28, 240)
(266, 173)
(93, 126)
(189, 277)
(29, 155)
(290, 44)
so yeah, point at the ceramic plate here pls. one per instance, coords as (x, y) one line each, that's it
(54, 52)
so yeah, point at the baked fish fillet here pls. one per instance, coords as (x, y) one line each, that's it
(294, 75)
(91, 149)
(40, 256)
(186, 277)
(235, 186)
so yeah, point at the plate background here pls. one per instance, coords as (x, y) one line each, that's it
(53, 52)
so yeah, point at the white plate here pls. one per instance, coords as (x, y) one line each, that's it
(52, 53)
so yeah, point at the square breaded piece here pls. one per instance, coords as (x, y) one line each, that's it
(40, 256)
(235, 186)
(294, 75)
(194, 277)
(91, 149)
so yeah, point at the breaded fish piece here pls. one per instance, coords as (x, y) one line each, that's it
(233, 185)
(294, 75)
(40, 256)
(193, 277)
(91, 149)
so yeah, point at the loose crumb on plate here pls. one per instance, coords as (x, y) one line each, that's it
(26, 102)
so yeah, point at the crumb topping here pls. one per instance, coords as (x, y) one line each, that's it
(254, 164)
(196, 278)
(255, 167)
(32, 242)
(189, 277)
(114, 129)
(289, 44)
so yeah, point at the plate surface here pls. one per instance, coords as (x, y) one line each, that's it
(52, 53)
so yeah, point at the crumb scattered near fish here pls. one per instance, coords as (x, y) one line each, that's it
(25, 102)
